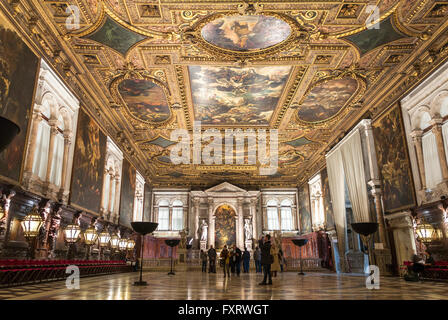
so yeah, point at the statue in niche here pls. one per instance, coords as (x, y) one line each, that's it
(204, 230)
(248, 229)
(183, 239)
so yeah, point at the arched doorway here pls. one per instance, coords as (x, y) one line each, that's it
(225, 226)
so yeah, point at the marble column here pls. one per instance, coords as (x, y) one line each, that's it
(111, 190)
(376, 193)
(117, 197)
(211, 223)
(253, 213)
(437, 130)
(417, 139)
(37, 118)
(53, 133)
(103, 207)
(197, 232)
(240, 224)
(64, 173)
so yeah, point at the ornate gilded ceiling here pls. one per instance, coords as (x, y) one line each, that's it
(308, 68)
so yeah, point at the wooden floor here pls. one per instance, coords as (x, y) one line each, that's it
(196, 285)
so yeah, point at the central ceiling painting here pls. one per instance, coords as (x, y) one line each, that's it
(230, 96)
(245, 33)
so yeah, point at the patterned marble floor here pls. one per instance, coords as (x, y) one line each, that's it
(198, 286)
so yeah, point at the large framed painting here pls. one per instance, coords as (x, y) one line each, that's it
(305, 209)
(147, 203)
(128, 179)
(18, 75)
(225, 226)
(393, 161)
(88, 165)
(328, 207)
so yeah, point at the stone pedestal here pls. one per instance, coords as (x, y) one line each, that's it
(248, 245)
(383, 259)
(203, 245)
(357, 260)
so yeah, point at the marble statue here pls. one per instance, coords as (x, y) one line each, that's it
(247, 229)
(204, 230)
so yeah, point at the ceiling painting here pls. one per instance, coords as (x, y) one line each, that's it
(236, 96)
(245, 33)
(146, 68)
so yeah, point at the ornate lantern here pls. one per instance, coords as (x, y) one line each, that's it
(131, 244)
(72, 232)
(104, 238)
(90, 236)
(32, 223)
(426, 232)
(114, 241)
(123, 244)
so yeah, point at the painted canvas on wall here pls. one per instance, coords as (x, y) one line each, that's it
(246, 33)
(326, 99)
(127, 193)
(145, 99)
(18, 71)
(329, 215)
(305, 209)
(393, 161)
(225, 226)
(88, 165)
(226, 95)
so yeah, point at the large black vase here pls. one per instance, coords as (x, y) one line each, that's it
(365, 228)
(172, 243)
(8, 130)
(300, 243)
(143, 228)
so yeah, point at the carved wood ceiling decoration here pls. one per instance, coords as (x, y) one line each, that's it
(148, 67)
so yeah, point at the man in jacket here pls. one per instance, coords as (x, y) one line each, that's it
(237, 259)
(212, 260)
(257, 258)
(266, 260)
(246, 260)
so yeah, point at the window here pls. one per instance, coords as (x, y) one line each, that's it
(112, 180)
(164, 215)
(50, 148)
(178, 213)
(272, 213)
(40, 162)
(433, 172)
(317, 202)
(138, 197)
(286, 215)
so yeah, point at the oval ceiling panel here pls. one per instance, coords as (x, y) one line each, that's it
(246, 33)
(326, 99)
(145, 99)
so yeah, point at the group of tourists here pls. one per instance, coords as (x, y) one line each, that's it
(267, 256)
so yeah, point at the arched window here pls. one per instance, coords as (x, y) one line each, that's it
(286, 215)
(164, 215)
(272, 215)
(433, 171)
(40, 161)
(178, 215)
(58, 153)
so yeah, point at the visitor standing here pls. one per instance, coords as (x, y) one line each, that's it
(237, 259)
(212, 260)
(275, 267)
(257, 258)
(204, 261)
(225, 261)
(266, 259)
(246, 260)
